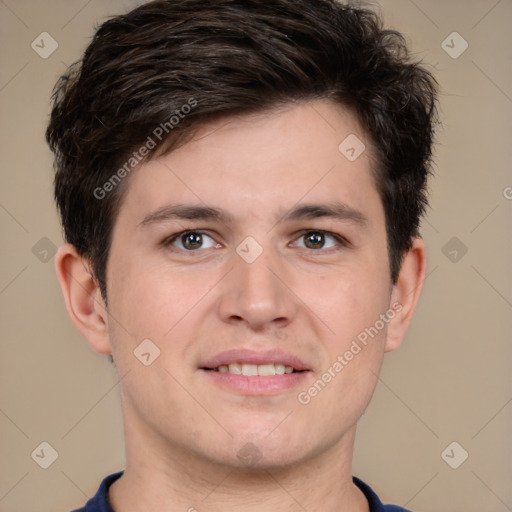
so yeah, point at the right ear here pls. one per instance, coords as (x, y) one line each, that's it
(82, 295)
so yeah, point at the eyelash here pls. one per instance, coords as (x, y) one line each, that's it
(341, 241)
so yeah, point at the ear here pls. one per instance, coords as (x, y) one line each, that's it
(82, 295)
(406, 292)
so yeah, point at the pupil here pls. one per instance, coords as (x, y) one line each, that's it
(192, 240)
(314, 240)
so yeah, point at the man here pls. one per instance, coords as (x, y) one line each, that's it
(241, 185)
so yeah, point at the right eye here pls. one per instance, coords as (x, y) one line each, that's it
(191, 241)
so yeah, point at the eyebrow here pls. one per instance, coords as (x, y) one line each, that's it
(335, 210)
(185, 212)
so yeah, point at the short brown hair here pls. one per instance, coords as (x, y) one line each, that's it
(234, 57)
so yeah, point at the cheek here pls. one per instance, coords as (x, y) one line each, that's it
(348, 301)
(136, 303)
(156, 302)
(149, 310)
(351, 306)
(150, 300)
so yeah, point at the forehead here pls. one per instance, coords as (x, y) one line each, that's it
(311, 152)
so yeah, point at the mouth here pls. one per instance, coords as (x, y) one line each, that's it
(250, 372)
(253, 370)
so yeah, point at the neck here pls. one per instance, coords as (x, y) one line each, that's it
(163, 477)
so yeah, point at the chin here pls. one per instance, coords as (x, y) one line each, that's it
(250, 458)
(260, 451)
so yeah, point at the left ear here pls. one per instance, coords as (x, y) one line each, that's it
(406, 292)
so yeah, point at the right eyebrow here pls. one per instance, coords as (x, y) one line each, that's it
(185, 212)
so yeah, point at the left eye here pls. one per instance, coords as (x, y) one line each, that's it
(191, 241)
(318, 240)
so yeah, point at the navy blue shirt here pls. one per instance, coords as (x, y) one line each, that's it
(99, 502)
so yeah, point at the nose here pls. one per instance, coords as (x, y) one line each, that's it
(256, 294)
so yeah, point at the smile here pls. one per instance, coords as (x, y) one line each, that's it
(247, 371)
(252, 370)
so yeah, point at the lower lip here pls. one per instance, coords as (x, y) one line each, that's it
(255, 385)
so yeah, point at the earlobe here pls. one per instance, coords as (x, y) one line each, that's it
(82, 296)
(406, 292)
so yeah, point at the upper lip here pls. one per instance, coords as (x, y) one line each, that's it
(249, 356)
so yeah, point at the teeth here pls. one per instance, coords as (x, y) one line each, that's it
(235, 368)
(251, 370)
(266, 369)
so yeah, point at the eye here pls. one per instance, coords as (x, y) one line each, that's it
(319, 240)
(191, 241)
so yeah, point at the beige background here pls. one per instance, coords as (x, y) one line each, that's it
(451, 379)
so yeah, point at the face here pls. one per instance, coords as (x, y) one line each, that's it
(255, 250)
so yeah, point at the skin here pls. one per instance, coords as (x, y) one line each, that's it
(182, 430)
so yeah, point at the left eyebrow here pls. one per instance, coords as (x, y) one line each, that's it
(334, 210)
